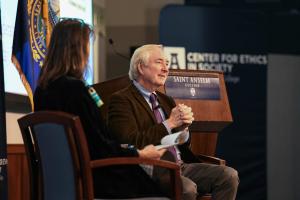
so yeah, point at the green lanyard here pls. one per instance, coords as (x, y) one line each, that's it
(94, 95)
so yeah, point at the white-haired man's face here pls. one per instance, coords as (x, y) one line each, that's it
(153, 74)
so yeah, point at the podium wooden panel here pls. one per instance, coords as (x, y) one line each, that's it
(211, 116)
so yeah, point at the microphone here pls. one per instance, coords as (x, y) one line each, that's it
(111, 42)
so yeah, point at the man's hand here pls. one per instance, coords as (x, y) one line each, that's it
(150, 151)
(181, 116)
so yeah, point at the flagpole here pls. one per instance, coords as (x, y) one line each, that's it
(45, 16)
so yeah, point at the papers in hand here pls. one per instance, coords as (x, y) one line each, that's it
(173, 139)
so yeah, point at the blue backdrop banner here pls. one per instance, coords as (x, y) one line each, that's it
(233, 41)
(3, 155)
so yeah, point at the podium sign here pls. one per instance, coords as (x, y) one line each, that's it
(193, 87)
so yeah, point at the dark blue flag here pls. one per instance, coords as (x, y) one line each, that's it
(32, 32)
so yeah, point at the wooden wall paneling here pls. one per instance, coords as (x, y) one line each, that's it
(18, 175)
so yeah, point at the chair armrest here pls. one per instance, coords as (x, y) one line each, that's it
(171, 166)
(211, 159)
(133, 161)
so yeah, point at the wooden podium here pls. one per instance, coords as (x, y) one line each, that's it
(211, 109)
(210, 106)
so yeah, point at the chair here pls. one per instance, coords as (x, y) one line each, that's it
(107, 88)
(59, 163)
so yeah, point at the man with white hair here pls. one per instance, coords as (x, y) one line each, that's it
(141, 115)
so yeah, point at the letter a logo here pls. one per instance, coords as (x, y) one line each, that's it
(174, 60)
(176, 56)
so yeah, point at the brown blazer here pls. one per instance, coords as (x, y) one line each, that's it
(131, 120)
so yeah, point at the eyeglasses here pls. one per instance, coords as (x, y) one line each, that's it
(81, 21)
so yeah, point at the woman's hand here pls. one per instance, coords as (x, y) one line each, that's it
(150, 151)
